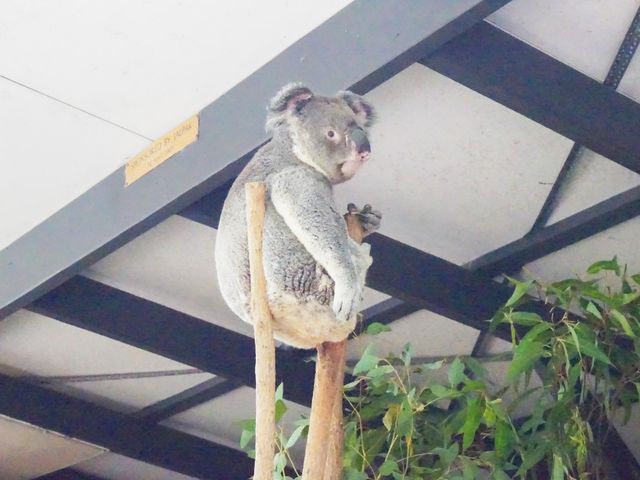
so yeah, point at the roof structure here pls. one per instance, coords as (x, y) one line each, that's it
(508, 139)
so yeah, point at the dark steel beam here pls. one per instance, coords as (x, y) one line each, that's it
(618, 68)
(68, 474)
(110, 214)
(144, 324)
(121, 434)
(386, 312)
(588, 222)
(187, 399)
(516, 75)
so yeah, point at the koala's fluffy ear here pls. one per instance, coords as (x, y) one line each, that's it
(363, 109)
(291, 97)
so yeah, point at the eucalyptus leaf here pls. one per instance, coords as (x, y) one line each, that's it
(525, 355)
(622, 321)
(376, 328)
(520, 290)
(609, 265)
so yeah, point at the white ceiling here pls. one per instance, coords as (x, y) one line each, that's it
(584, 34)
(86, 85)
(31, 344)
(455, 174)
(28, 452)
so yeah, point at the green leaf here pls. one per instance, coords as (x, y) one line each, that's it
(367, 361)
(476, 367)
(295, 435)
(498, 474)
(456, 373)
(472, 422)
(593, 310)
(245, 438)
(388, 467)
(281, 409)
(609, 265)
(526, 318)
(627, 298)
(502, 439)
(433, 365)
(520, 291)
(525, 355)
(353, 474)
(280, 392)
(589, 349)
(636, 278)
(390, 416)
(376, 327)
(558, 468)
(622, 321)
(447, 455)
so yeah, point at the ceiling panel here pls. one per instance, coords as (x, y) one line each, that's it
(28, 452)
(584, 34)
(147, 64)
(31, 344)
(592, 179)
(454, 173)
(621, 240)
(173, 264)
(219, 420)
(430, 335)
(50, 154)
(116, 467)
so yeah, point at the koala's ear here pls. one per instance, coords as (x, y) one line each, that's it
(291, 97)
(363, 109)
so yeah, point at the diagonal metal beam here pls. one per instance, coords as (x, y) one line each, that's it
(187, 399)
(121, 434)
(110, 214)
(136, 321)
(516, 75)
(618, 68)
(588, 222)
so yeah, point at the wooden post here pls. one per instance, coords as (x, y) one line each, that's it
(323, 454)
(263, 333)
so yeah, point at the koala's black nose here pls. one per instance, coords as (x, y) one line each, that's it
(360, 141)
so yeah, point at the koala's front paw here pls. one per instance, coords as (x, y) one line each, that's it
(346, 299)
(368, 217)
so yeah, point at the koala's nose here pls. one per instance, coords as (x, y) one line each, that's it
(360, 142)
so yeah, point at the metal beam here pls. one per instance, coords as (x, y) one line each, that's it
(68, 474)
(110, 214)
(136, 321)
(187, 399)
(516, 75)
(121, 434)
(618, 68)
(588, 222)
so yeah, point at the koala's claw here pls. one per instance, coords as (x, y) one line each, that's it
(345, 302)
(368, 217)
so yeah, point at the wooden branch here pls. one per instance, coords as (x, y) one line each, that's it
(263, 333)
(324, 451)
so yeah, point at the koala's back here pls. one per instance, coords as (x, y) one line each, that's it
(299, 290)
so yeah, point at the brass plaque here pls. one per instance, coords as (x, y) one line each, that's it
(162, 149)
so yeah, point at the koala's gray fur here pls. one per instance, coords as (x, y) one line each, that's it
(315, 273)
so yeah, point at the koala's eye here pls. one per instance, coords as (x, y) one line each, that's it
(331, 134)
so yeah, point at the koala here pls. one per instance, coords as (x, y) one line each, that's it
(315, 273)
